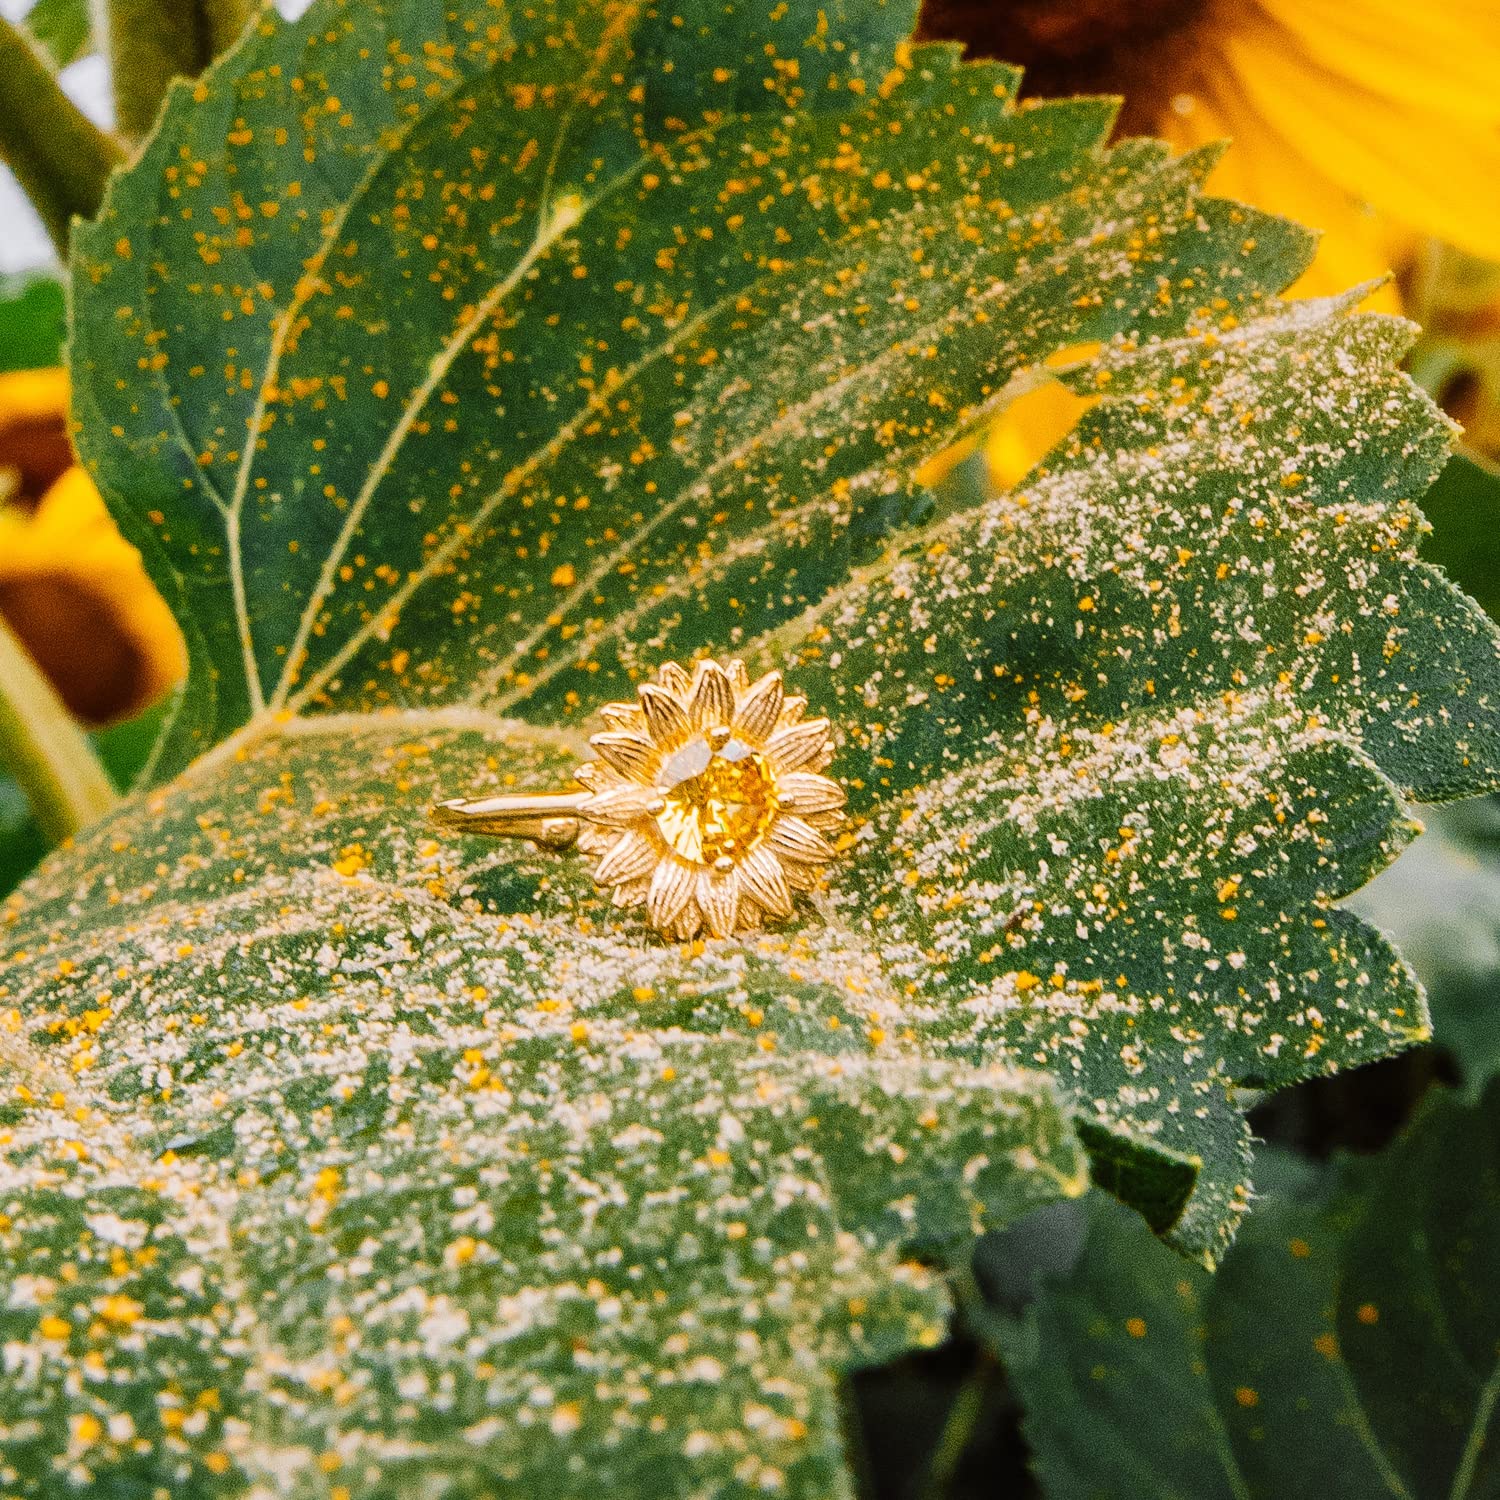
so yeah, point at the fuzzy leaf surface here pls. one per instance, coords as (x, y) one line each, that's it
(452, 370)
(330, 1139)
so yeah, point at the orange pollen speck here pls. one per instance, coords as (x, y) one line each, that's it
(719, 802)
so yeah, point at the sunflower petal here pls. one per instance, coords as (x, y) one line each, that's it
(800, 745)
(764, 881)
(76, 594)
(713, 697)
(797, 841)
(1377, 148)
(719, 900)
(1028, 429)
(1265, 168)
(632, 755)
(760, 709)
(632, 858)
(665, 717)
(1438, 57)
(805, 792)
(672, 888)
(674, 679)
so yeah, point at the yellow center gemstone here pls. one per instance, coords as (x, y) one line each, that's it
(719, 802)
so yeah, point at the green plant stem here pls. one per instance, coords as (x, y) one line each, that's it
(61, 158)
(151, 42)
(958, 1428)
(45, 750)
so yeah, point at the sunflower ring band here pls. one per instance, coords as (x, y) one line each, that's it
(706, 804)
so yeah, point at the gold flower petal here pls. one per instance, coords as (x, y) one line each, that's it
(804, 744)
(665, 716)
(719, 898)
(764, 881)
(798, 842)
(713, 698)
(674, 679)
(759, 711)
(672, 888)
(626, 716)
(631, 894)
(632, 858)
(623, 805)
(632, 755)
(806, 793)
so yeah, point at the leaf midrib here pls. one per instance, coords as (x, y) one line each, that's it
(290, 694)
(551, 227)
(231, 510)
(966, 421)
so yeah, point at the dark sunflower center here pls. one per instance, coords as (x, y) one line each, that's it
(1066, 46)
(37, 451)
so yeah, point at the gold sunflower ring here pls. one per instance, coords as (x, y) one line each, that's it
(706, 804)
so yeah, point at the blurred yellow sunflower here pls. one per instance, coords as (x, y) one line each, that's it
(1376, 121)
(72, 589)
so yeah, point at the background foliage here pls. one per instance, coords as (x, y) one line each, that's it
(1346, 1348)
(450, 382)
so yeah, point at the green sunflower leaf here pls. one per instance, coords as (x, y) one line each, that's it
(454, 370)
(1346, 1346)
(1126, 734)
(365, 1160)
